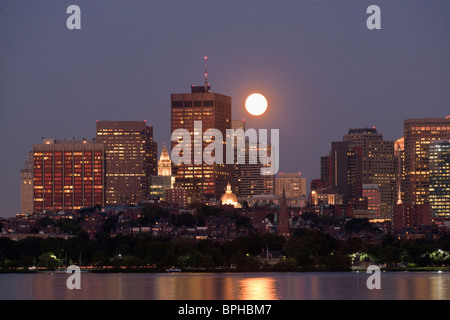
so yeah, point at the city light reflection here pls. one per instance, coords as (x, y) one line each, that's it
(258, 289)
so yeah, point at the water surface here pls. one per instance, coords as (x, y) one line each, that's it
(227, 286)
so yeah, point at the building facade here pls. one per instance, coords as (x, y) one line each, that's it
(372, 193)
(68, 175)
(346, 169)
(419, 134)
(202, 181)
(439, 188)
(293, 184)
(378, 164)
(130, 157)
(409, 218)
(178, 195)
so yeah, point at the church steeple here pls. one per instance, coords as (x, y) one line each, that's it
(283, 219)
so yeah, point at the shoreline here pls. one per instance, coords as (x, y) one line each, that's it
(187, 271)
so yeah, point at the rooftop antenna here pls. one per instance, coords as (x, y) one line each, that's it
(206, 75)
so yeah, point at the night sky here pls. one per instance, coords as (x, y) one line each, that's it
(322, 70)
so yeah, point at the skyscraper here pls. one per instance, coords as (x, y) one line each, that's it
(399, 152)
(130, 157)
(68, 175)
(346, 171)
(379, 165)
(213, 110)
(419, 134)
(440, 177)
(246, 178)
(325, 170)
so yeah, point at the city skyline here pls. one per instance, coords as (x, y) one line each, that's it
(56, 83)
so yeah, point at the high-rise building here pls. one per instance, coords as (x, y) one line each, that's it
(130, 157)
(293, 186)
(246, 178)
(439, 166)
(235, 171)
(379, 165)
(325, 171)
(419, 134)
(372, 193)
(346, 172)
(251, 181)
(213, 110)
(26, 186)
(68, 175)
(399, 152)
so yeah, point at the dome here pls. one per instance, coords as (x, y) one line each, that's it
(229, 197)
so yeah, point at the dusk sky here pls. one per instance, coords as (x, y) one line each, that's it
(322, 70)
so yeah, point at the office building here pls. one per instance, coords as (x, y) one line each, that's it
(68, 175)
(251, 181)
(213, 110)
(371, 192)
(346, 172)
(439, 188)
(293, 185)
(378, 164)
(419, 134)
(399, 153)
(325, 171)
(130, 157)
(246, 178)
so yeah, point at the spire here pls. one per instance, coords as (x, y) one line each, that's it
(283, 219)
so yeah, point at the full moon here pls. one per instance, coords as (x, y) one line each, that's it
(256, 104)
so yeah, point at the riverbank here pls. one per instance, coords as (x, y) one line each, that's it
(221, 270)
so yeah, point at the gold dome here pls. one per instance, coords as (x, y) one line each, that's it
(229, 197)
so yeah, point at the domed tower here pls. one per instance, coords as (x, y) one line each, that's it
(164, 163)
(229, 198)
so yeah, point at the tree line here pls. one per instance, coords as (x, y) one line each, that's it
(306, 250)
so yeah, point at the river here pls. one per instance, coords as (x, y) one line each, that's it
(227, 286)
